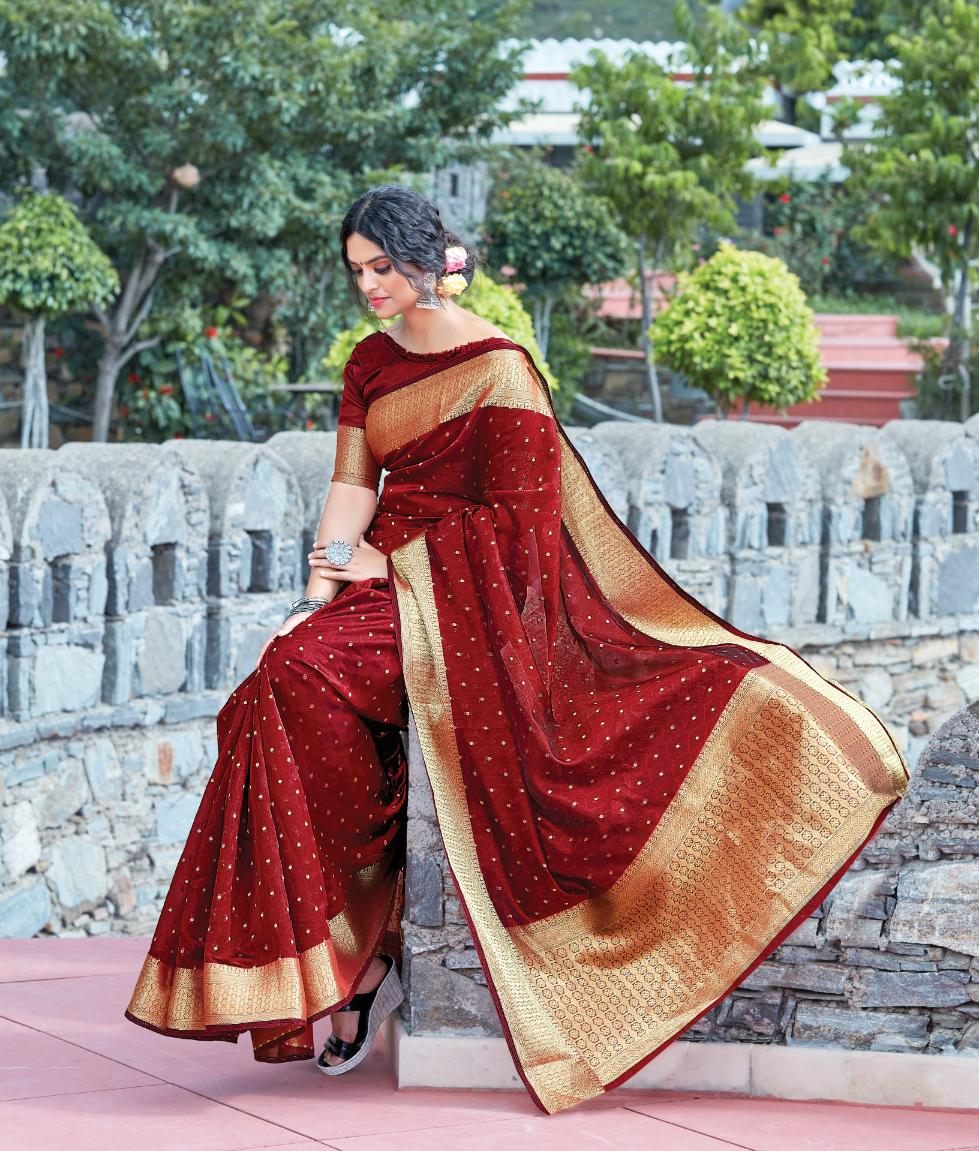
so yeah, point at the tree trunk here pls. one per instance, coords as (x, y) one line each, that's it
(957, 355)
(34, 414)
(120, 327)
(105, 386)
(963, 324)
(542, 323)
(646, 294)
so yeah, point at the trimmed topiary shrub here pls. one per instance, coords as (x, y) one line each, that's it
(740, 328)
(49, 265)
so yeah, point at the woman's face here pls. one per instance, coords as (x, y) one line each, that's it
(386, 289)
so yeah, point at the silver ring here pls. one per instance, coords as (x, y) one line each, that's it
(338, 552)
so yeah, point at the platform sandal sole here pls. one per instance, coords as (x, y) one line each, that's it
(389, 996)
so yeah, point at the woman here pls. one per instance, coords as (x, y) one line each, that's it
(638, 801)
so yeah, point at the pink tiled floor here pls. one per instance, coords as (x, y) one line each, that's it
(74, 1073)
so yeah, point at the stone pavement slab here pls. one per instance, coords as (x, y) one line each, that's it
(155, 1118)
(568, 1131)
(74, 1072)
(33, 1065)
(32, 959)
(771, 1125)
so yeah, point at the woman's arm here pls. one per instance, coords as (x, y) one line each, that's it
(347, 513)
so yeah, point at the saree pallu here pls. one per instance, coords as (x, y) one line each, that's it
(638, 801)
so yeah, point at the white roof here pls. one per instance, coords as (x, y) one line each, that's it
(550, 55)
(561, 128)
(806, 163)
(776, 134)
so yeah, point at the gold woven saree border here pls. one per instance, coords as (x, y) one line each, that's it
(194, 999)
(538, 1044)
(355, 463)
(495, 378)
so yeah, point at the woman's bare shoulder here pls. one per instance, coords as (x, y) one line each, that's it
(479, 329)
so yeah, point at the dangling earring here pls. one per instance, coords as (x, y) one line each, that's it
(429, 297)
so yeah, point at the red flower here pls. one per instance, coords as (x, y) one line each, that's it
(178, 436)
(123, 411)
(778, 231)
(952, 230)
(133, 377)
(825, 260)
(58, 353)
(310, 424)
(166, 389)
(785, 198)
(211, 333)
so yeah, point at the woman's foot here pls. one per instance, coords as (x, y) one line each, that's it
(345, 1023)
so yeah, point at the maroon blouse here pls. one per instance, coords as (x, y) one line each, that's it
(379, 365)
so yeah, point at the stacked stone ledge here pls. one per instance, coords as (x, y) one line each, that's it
(142, 581)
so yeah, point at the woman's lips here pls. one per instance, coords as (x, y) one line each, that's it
(377, 299)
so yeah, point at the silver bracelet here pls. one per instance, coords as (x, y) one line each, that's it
(306, 604)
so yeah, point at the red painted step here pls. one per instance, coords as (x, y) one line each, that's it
(883, 381)
(870, 372)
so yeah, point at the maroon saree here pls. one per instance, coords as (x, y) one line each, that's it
(638, 801)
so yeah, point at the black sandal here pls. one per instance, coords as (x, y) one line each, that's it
(374, 1007)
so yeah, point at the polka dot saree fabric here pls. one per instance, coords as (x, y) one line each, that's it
(638, 801)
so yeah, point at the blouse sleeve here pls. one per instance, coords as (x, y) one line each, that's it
(355, 464)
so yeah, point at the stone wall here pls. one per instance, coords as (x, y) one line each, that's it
(139, 582)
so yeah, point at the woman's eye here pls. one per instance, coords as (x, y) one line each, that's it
(383, 271)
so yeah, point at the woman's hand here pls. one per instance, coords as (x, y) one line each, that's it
(366, 563)
(284, 628)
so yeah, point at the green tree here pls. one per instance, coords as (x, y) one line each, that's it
(741, 329)
(221, 142)
(670, 157)
(804, 40)
(554, 234)
(49, 265)
(922, 166)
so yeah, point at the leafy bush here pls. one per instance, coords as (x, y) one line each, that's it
(809, 225)
(740, 327)
(551, 234)
(153, 407)
(497, 303)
